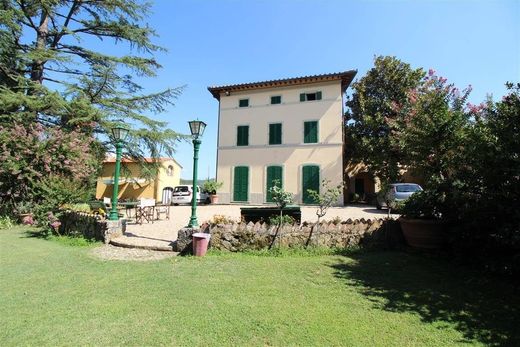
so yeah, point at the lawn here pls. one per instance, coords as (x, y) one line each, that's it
(57, 294)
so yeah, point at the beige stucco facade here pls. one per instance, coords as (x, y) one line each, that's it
(292, 154)
(133, 186)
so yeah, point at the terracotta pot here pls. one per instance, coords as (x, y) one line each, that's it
(213, 199)
(424, 233)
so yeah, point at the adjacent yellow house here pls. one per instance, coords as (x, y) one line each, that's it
(289, 130)
(133, 184)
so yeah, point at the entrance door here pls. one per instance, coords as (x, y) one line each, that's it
(273, 173)
(241, 183)
(360, 187)
(167, 195)
(310, 180)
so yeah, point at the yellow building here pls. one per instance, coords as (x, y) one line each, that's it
(133, 184)
(289, 130)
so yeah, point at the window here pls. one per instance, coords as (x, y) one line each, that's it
(310, 132)
(169, 171)
(243, 135)
(275, 100)
(243, 103)
(275, 134)
(310, 96)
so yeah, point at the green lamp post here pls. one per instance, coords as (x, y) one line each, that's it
(119, 134)
(197, 129)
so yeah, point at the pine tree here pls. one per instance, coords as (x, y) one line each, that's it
(51, 75)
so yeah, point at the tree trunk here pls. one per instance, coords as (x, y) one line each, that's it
(277, 229)
(317, 225)
(41, 43)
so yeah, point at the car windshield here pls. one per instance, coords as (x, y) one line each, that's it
(407, 188)
(181, 189)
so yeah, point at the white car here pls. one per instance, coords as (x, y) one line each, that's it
(183, 195)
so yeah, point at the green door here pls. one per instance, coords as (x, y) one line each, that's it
(241, 183)
(310, 180)
(273, 173)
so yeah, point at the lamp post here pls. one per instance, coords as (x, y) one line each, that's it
(119, 134)
(197, 129)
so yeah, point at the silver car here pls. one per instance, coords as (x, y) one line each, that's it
(397, 192)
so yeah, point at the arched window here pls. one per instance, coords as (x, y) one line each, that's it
(169, 171)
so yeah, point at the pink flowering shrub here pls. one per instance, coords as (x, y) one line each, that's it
(43, 165)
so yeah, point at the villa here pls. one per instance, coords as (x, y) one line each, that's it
(289, 130)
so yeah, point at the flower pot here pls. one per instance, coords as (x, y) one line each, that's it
(213, 198)
(200, 244)
(424, 233)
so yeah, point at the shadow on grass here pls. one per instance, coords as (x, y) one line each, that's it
(70, 240)
(482, 308)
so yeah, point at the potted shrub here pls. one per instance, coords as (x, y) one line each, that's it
(211, 187)
(421, 220)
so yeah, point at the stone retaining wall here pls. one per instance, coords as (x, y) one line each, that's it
(373, 233)
(90, 226)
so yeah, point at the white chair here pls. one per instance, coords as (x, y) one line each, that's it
(107, 202)
(145, 210)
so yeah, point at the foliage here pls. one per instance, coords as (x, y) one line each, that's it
(325, 200)
(281, 198)
(372, 120)
(221, 219)
(425, 204)
(78, 207)
(42, 168)
(211, 186)
(44, 47)
(6, 222)
(281, 220)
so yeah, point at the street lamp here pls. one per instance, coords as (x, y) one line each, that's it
(119, 134)
(197, 129)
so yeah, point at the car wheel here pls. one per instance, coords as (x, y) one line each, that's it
(379, 207)
(175, 204)
(208, 201)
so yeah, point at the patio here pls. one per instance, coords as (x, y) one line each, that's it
(161, 234)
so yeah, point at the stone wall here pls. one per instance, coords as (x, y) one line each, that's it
(90, 226)
(372, 233)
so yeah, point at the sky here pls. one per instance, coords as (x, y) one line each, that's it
(230, 41)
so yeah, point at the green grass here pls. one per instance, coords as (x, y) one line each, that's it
(52, 293)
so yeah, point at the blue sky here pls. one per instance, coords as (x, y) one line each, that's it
(225, 42)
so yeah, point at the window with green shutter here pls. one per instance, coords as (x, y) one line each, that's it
(276, 100)
(243, 135)
(310, 180)
(240, 183)
(274, 174)
(275, 134)
(310, 132)
(243, 103)
(310, 96)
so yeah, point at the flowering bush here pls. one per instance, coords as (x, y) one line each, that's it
(44, 166)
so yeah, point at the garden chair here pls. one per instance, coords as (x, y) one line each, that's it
(163, 209)
(145, 211)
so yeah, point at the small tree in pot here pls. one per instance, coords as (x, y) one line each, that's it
(211, 187)
(282, 199)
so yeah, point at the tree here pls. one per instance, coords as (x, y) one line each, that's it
(49, 45)
(282, 199)
(325, 200)
(371, 116)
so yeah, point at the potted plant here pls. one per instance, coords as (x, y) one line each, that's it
(421, 220)
(24, 211)
(211, 187)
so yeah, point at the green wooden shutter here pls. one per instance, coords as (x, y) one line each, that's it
(275, 134)
(318, 95)
(310, 132)
(302, 97)
(273, 173)
(243, 135)
(310, 180)
(241, 183)
(243, 103)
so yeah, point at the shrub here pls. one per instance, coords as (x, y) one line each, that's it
(211, 186)
(221, 219)
(281, 220)
(6, 222)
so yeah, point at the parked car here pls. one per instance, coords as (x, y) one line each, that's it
(397, 192)
(183, 194)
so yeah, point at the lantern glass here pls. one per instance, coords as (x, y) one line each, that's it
(197, 128)
(120, 133)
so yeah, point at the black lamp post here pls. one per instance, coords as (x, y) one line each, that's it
(119, 134)
(197, 129)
